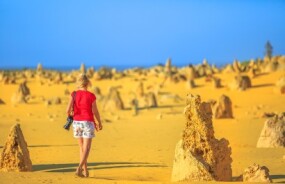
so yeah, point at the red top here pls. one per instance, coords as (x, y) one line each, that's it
(83, 106)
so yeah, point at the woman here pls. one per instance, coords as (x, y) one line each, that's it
(84, 109)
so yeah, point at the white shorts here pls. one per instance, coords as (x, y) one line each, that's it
(84, 129)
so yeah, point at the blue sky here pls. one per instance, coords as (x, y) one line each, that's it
(146, 32)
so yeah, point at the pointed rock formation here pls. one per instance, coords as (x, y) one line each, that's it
(39, 68)
(216, 82)
(97, 91)
(237, 66)
(20, 95)
(190, 84)
(191, 73)
(273, 132)
(167, 68)
(82, 68)
(140, 90)
(135, 106)
(224, 108)
(199, 156)
(228, 69)
(58, 79)
(15, 155)
(98, 94)
(150, 100)
(113, 100)
(90, 72)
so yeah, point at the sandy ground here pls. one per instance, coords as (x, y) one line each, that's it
(135, 149)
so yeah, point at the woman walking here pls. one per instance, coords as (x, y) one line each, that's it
(83, 104)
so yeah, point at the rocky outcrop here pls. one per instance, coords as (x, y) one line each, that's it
(113, 100)
(199, 156)
(82, 68)
(191, 73)
(15, 155)
(240, 82)
(167, 68)
(150, 99)
(256, 173)
(20, 96)
(140, 90)
(224, 108)
(39, 68)
(273, 132)
(216, 82)
(190, 84)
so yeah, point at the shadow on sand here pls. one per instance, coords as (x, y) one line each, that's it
(42, 146)
(262, 85)
(93, 166)
(279, 177)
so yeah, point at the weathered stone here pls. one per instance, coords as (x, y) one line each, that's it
(58, 79)
(82, 68)
(237, 66)
(135, 106)
(188, 167)
(113, 100)
(255, 173)
(200, 156)
(15, 155)
(167, 68)
(90, 72)
(190, 84)
(224, 108)
(191, 73)
(97, 91)
(140, 90)
(240, 82)
(150, 100)
(228, 69)
(216, 82)
(21, 94)
(273, 132)
(39, 68)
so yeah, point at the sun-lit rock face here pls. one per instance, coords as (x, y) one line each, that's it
(15, 155)
(199, 156)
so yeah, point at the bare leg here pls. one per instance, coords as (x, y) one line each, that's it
(85, 152)
(81, 145)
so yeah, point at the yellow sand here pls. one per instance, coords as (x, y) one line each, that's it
(134, 149)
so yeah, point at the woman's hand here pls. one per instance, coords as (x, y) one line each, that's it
(100, 126)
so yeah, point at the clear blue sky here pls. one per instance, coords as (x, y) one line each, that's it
(146, 32)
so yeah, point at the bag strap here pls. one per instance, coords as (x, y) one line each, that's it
(73, 100)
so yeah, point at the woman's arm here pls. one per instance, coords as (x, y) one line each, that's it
(69, 108)
(96, 114)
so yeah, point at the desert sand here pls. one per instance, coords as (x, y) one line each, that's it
(137, 148)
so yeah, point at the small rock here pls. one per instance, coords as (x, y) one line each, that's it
(255, 173)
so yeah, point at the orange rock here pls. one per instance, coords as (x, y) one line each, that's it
(15, 155)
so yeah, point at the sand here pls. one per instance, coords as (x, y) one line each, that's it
(135, 149)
